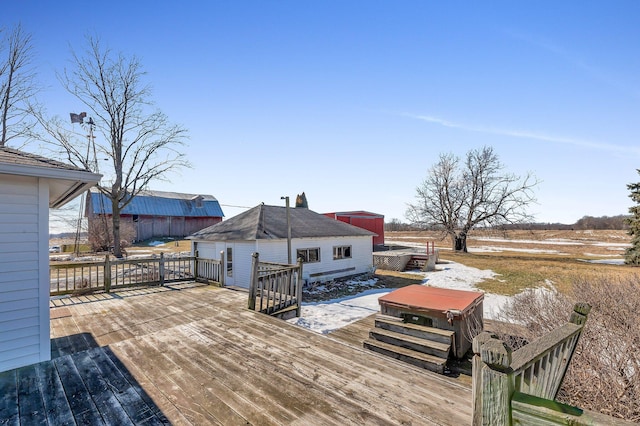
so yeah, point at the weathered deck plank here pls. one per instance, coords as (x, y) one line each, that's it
(198, 356)
(56, 406)
(9, 398)
(31, 410)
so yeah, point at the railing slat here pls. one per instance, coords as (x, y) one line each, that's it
(276, 286)
(75, 277)
(534, 371)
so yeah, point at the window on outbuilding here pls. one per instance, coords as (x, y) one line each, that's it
(308, 255)
(341, 252)
(198, 201)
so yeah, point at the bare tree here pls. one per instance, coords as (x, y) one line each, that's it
(458, 197)
(137, 140)
(17, 85)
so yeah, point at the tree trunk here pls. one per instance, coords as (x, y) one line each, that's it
(460, 243)
(115, 208)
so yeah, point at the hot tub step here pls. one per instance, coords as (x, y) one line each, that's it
(419, 359)
(406, 341)
(394, 324)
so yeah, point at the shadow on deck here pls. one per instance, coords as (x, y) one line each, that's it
(89, 386)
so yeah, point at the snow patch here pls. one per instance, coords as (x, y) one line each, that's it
(327, 316)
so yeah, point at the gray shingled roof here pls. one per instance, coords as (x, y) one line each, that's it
(270, 222)
(65, 181)
(13, 156)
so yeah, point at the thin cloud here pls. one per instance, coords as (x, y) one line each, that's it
(523, 134)
(577, 62)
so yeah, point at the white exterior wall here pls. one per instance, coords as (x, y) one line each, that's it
(242, 251)
(24, 261)
(361, 260)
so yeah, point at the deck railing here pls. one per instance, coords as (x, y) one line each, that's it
(210, 271)
(521, 387)
(86, 277)
(274, 287)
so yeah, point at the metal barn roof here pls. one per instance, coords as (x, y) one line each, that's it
(160, 203)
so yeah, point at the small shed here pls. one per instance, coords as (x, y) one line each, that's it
(362, 219)
(329, 248)
(158, 213)
(29, 186)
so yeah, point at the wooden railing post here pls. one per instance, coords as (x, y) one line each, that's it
(497, 381)
(580, 312)
(107, 274)
(299, 289)
(253, 281)
(161, 269)
(223, 269)
(476, 390)
(195, 265)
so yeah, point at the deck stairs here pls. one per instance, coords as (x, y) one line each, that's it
(425, 347)
(417, 261)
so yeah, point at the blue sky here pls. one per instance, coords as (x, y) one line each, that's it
(353, 101)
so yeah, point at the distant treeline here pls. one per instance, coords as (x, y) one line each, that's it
(586, 222)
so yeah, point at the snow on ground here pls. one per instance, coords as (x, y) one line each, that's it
(326, 316)
(492, 249)
(550, 241)
(604, 261)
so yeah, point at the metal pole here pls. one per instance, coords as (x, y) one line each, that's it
(288, 228)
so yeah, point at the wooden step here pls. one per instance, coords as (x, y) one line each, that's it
(419, 359)
(419, 344)
(395, 324)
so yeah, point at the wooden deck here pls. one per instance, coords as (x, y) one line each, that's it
(194, 355)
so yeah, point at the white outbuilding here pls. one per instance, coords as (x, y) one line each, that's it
(329, 248)
(29, 186)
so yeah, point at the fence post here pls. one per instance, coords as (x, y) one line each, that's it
(299, 289)
(223, 269)
(254, 278)
(107, 274)
(497, 383)
(580, 312)
(476, 389)
(161, 268)
(195, 265)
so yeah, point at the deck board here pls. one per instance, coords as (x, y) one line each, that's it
(196, 355)
(55, 402)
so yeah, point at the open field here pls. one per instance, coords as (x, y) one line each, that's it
(522, 259)
(525, 259)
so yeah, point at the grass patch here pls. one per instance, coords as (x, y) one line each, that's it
(169, 245)
(395, 279)
(519, 271)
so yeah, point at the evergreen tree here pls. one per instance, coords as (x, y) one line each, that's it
(632, 254)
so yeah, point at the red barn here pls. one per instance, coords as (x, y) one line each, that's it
(370, 221)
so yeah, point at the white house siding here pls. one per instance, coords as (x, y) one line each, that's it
(24, 307)
(361, 260)
(274, 251)
(242, 251)
(242, 262)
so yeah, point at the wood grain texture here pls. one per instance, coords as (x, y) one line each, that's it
(196, 355)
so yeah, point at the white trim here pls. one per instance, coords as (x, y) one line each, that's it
(43, 268)
(49, 172)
